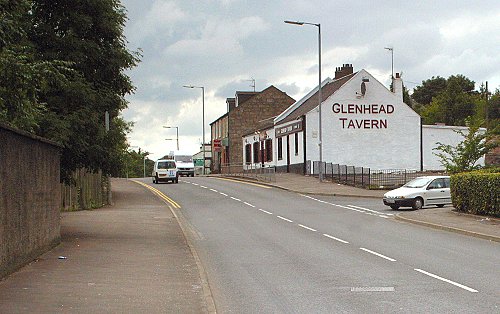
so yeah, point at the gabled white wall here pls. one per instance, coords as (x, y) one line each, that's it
(395, 146)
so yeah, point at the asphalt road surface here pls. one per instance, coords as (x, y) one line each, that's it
(271, 251)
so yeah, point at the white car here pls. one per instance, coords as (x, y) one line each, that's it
(165, 170)
(419, 192)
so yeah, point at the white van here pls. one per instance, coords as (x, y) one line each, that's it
(165, 170)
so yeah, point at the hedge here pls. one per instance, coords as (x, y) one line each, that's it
(477, 192)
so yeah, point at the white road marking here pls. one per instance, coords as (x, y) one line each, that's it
(236, 199)
(265, 211)
(354, 209)
(372, 289)
(204, 187)
(308, 228)
(285, 219)
(446, 280)
(214, 190)
(383, 216)
(222, 193)
(370, 210)
(249, 204)
(334, 238)
(378, 254)
(195, 184)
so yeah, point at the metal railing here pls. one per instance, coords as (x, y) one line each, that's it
(253, 171)
(362, 176)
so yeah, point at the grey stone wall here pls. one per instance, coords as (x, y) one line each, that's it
(30, 197)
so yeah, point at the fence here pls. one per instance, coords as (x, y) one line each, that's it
(361, 176)
(254, 171)
(91, 190)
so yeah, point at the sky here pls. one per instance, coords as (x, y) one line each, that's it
(223, 45)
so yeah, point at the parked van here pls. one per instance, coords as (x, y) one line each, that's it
(165, 170)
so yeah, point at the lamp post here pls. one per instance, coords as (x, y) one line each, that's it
(320, 173)
(177, 133)
(203, 117)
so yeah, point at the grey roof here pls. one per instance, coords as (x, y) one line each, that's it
(312, 102)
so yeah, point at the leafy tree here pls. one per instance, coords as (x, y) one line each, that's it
(430, 88)
(22, 76)
(88, 34)
(475, 145)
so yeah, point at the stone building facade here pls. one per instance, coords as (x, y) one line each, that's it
(244, 112)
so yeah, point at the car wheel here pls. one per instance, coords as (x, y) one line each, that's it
(395, 207)
(155, 180)
(177, 180)
(418, 203)
(440, 205)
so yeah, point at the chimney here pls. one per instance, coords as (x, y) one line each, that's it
(397, 86)
(346, 69)
(231, 104)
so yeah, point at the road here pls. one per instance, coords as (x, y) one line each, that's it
(272, 251)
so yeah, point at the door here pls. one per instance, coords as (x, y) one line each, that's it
(438, 192)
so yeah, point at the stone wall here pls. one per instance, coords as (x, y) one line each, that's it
(30, 196)
(268, 103)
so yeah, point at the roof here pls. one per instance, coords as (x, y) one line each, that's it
(261, 125)
(310, 101)
(219, 118)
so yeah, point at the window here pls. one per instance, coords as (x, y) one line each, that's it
(296, 144)
(248, 154)
(256, 152)
(280, 148)
(269, 150)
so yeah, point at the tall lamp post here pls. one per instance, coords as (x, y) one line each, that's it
(319, 93)
(203, 114)
(177, 133)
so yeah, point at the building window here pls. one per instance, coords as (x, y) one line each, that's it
(296, 144)
(269, 150)
(248, 154)
(280, 148)
(256, 152)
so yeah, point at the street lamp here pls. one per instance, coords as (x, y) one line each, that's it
(319, 93)
(203, 114)
(177, 132)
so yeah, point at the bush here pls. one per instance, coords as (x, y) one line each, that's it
(477, 192)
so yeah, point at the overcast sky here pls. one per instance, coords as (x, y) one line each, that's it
(224, 44)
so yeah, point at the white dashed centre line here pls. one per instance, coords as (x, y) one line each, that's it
(195, 184)
(204, 187)
(446, 280)
(214, 190)
(378, 254)
(265, 211)
(236, 199)
(222, 193)
(246, 203)
(285, 219)
(334, 238)
(308, 228)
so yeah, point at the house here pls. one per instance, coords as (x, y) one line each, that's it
(245, 110)
(363, 124)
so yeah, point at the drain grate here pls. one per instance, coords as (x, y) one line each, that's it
(372, 289)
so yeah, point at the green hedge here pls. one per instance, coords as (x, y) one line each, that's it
(477, 192)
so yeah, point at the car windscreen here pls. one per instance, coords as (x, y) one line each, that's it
(417, 183)
(166, 164)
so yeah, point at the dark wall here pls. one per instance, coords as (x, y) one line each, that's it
(30, 197)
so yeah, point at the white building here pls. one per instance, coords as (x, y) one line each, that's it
(363, 124)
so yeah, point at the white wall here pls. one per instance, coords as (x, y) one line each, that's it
(395, 146)
(444, 134)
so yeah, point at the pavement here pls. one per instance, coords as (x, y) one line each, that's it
(134, 256)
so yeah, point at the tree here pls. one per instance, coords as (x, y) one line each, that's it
(22, 77)
(464, 156)
(430, 88)
(88, 34)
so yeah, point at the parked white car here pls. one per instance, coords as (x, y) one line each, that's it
(419, 192)
(165, 170)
